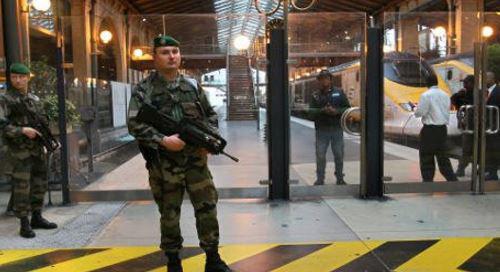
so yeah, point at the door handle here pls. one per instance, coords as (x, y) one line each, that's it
(494, 119)
(350, 116)
(464, 123)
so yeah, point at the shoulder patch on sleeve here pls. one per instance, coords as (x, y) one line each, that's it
(34, 97)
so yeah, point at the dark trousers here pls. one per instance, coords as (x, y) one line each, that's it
(324, 138)
(433, 145)
(492, 156)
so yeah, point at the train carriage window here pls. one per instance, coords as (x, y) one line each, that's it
(408, 72)
(449, 75)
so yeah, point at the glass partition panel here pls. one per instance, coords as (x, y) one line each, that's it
(432, 54)
(325, 80)
(102, 67)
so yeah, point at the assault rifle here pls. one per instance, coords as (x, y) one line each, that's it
(46, 138)
(191, 131)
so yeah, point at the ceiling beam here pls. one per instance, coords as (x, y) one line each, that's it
(173, 6)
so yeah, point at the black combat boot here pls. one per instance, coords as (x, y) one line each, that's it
(38, 222)
(174, 263)
(215, 263)
(340, 179)
(26, 230)
(319, 182)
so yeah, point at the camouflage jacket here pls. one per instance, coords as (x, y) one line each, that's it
(177, 98)
(13, 117)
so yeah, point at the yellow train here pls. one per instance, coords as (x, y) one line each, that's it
(453, 69)
(405, 78)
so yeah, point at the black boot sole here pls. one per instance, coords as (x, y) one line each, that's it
(42, 227)
(28, 236)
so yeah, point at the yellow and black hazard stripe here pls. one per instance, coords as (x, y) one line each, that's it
(449, 254)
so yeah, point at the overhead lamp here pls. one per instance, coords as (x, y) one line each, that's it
(41, 5)
(106, 36)
(439, 31)
(487, 31)
(138, 53)
(241, 42)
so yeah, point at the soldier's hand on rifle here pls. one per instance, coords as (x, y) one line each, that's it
(173, 143)
(30, 132)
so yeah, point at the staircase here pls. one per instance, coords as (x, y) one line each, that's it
(241, 92)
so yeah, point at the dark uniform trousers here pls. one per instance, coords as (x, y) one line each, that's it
(169, 179)
(29, 184)
(432, 145)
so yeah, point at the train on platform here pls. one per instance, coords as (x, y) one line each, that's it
(405, 79)
(454, 69)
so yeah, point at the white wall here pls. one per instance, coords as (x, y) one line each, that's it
(120, 96)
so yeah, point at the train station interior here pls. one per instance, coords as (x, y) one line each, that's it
(261, 63)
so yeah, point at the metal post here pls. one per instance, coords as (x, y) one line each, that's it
(93, 81)
(372, 118)
(257, 93)
(12, 44)
(478, 167)
(12, 33)
(61, 105)
(278, 116)
(482, 101)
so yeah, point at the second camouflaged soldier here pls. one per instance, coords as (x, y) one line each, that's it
(26, 156)
(173, 166)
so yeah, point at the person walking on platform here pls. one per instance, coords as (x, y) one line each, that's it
(464, 97)
(175, 167)
(326, 109)
(434, 109)
(26, 156)
(492, 141)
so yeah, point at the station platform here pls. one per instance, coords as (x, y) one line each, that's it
(247, 142)
(403, 232)
(442, 232)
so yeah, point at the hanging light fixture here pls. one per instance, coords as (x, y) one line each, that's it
(106, 36)
(41, 5)
(487, 31)
(241, 42)
(138, 53)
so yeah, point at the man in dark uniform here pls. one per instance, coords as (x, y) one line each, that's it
(175, 167)
(326, 108)
(464, 97)
(492, 141)
(26, 156)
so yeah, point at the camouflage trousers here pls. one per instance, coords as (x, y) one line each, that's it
(29, 184)
(169, 180)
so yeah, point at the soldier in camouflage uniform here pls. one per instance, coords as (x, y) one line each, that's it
(26, 156)
(173, 166)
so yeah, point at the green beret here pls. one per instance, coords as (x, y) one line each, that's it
(165, 41)
(19, 68)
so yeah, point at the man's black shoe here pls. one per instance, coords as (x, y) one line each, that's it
(341, 182)
(215, 263)
(319, 182)
(26, 230)
(38, 222)
(174, 263)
